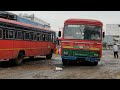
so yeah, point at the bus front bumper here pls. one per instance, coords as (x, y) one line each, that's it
(92, 59)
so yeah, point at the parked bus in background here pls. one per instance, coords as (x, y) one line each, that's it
(81, 41)
(58, 46)
(19, 40)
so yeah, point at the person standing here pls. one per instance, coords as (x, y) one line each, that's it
(115, 50)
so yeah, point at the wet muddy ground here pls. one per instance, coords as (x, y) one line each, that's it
(40, 68)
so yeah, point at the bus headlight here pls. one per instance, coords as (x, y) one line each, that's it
(96, 55)
(65, 53)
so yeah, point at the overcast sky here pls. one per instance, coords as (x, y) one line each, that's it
(57, 18)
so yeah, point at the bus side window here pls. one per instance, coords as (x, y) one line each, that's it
(38, 37)
(6, 33)
(27, 35)
(53, 37)
(49, 37)
(23, 33)
(19, 35)
(43, 37)
(35, 36)
(1, 33)
(15, 34)
(31, 35)
(46, 37)
(11, 34)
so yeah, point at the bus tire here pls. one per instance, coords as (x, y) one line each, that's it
(19, 59)
(95, 63)
(64, 62)
(49, 56)
(31, 57)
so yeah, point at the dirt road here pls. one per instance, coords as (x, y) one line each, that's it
(40, 68)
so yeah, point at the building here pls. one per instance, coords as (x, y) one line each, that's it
(113, 30)
(35, 19)
(112, 34)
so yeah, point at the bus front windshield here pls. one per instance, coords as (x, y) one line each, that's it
(86, 32)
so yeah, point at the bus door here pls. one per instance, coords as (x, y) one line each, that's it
(43, 44)
(53, 41)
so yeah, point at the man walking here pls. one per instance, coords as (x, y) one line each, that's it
(115, 50)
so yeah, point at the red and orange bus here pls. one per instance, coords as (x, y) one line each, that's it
(19, 40)
(81, 41)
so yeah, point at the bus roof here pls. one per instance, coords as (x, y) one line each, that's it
(8, 13)
(84, 21)
(22, 24)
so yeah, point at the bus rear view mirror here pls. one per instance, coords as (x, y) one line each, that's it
(59, 33)
(103, 34)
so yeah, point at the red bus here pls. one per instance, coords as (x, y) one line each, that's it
(81, 41)
(19, 40)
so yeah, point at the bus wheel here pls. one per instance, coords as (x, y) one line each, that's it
(31, 57)
(95, 63)
(49, 56)
(19, 59)
(64, 62)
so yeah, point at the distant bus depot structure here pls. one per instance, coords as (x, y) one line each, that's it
(112, 34)
(39, 21)
(21, 37)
